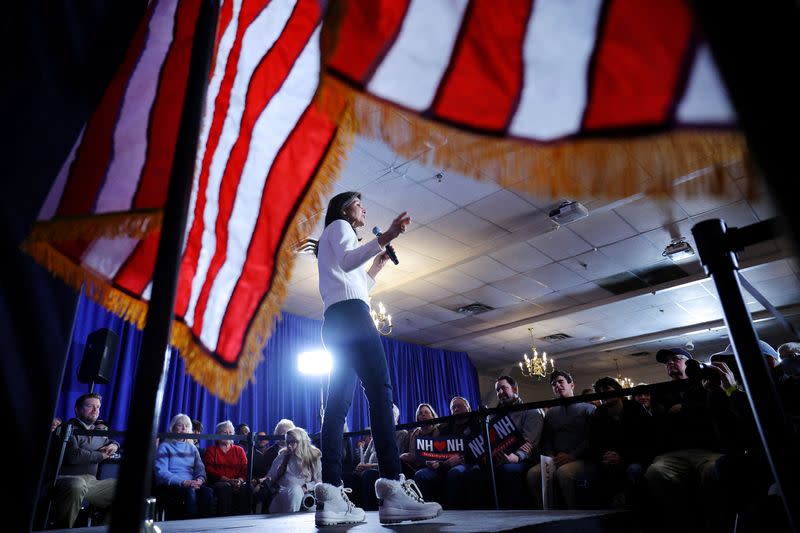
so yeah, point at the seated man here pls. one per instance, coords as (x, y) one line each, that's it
(226, 466)
(78, 476)
(621, 439)
(565, 438)
(692, 434)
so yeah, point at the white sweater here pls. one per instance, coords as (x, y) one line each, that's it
(341, 264)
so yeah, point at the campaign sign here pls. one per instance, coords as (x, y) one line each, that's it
(504, 436)
(439, 448)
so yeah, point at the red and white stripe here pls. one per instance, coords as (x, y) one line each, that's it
(540, 70)
(261, 141)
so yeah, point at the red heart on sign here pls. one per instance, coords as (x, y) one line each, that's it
(439, 445)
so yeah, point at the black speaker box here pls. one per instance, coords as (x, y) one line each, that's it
(99, 357)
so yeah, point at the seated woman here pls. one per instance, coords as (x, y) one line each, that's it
(411, 463)
(180, 474)
(226, 464)
(295, 472)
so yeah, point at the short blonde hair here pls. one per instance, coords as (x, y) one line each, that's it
(283, 426)
(419, 408)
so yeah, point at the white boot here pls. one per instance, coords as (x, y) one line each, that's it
(334, 507)
(402, 500)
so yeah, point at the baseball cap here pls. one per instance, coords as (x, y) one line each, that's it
(726, 356)
(665, 353)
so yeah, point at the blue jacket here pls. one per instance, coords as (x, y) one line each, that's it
(177, 461)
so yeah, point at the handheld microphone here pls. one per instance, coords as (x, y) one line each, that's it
(389, 250)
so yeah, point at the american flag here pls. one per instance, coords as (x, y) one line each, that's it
(621, 94)
(262, 144)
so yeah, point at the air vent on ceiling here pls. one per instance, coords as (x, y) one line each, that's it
(555, 337)
(638, 354)
(474, 309)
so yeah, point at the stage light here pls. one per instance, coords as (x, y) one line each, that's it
(314, 363)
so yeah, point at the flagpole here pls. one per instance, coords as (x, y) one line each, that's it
(133, 486)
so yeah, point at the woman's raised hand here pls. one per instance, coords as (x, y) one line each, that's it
(399, 225)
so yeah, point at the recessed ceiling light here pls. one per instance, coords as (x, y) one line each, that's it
(597, 338)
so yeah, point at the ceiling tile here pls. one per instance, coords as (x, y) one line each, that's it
(408, 321)
(633, 253)
(467, 228)
(600, 229)
(359, 170)
(426, 290)
(459, 189)
(703, 309)
(454, 280)
(405, 195)
(523, 287)
(486, 269)
(586, 292)
(521, 257)
(556, 276)
(443, 332)
(488, 295)
(762, 203)
(775, 269)
(437, 313)
(305, 266)
(411, 261)
(505, 209)
(686, 196)
(560, 243)
(378, 150)
(555, 301)
(649, 213)
(406, 304)
(592, 265)
(738, 214)
(424, 240)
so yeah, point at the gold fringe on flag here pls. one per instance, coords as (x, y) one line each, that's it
(227, 383)
(610, 167)
(135, 224)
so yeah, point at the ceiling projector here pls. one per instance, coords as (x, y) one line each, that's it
(567, 212)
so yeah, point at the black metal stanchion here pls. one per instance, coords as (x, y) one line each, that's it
(65, 433)
(490, 459)
(715, 249)
(137, 462)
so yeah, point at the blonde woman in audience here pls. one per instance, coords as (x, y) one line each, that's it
(294, 473)
(410, 460)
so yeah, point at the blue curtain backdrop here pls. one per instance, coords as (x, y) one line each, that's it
(418, 374)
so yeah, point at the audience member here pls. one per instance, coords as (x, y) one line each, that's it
(78, 477)
(565, 438)
(643, 399)
(621, 439)
(54, 424)
(411, 463)
(294, 473)
(180, 474)
(447, 474)
(198, 428)
(244, 430)
(789, 350)
(226, 466)
(263, 461)
(596, 403)
(693, 433)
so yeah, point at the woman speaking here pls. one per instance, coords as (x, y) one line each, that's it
(355, 346)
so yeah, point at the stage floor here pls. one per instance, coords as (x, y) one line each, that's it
(448, 522)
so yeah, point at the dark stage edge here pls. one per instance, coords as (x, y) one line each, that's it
(448, 522)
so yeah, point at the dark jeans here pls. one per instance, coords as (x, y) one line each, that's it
(185, 502)
(233, 502)
(355, 346)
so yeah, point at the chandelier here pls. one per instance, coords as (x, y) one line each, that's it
(382, 320)
(536, 367)
(627, 383)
